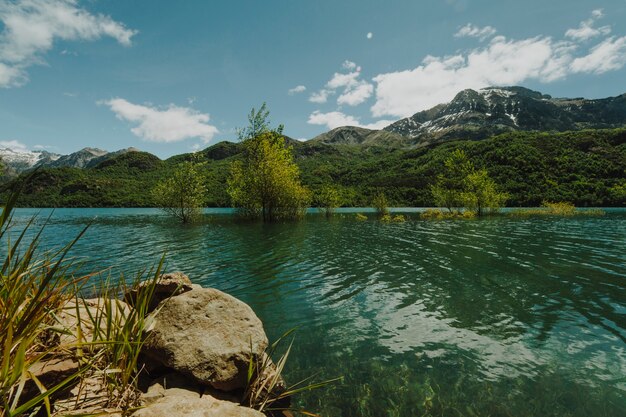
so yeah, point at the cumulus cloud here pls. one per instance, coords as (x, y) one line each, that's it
(471, 31)
(30, 28)
(14, 145)
(500, 62)
(335, 119)
(586, 30)
(348, 65)
(168, 124)
(609, 55)
(356, 95)
(296, 90)
(320, 97)
(353, 90)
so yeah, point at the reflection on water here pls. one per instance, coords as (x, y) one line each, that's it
(500, 316)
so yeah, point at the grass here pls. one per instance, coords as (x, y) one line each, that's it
(438, 214)
(265, 387)
(35, 290)
(562, 208)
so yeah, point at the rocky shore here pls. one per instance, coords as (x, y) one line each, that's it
(197, 350)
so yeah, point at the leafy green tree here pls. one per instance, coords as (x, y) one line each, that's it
(463, 186)
(450, 189)
(482, 193)
(182, 194)
(258, 123)
(379, 202)
(328, 199)
(265, 182)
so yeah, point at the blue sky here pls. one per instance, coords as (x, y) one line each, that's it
(168, 77)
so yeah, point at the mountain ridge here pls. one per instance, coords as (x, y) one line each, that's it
(478, 114)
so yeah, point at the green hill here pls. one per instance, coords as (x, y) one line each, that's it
(585, 167)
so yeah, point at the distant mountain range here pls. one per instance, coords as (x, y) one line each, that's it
(471, 115)
(16, 162)
(491, 111)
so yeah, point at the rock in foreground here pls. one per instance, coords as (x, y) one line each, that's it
(207, 335)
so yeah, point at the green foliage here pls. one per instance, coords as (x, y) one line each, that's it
(360, 217)
(379, 202)
(183, 193)
(438, 214)
(328, 199)
(462, 186)
(451, 187)
(258, 123)
(388, 218)
(561, 208)
(483, 194)
(266, 182)
(586, 168)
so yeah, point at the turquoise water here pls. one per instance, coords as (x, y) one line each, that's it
(494, 317)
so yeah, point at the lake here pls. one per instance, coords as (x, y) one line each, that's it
(498, 316)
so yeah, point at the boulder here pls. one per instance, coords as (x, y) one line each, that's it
(207, 335)
(89, 314)
(168, 285)
(180, 403)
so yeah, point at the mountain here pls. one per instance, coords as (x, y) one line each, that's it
(584, 167)
(17, 162)
(490, 111)
(351, 135)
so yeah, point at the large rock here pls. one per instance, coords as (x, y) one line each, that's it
(168, 285)
(180, 403)
(91, 316)
(207, 335)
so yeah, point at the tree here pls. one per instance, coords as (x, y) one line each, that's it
(463, 186)
(482, 194)
(265, 183)
(379, 202)
(258, 123)
(450, 189)
(182, 195)
(328, 199)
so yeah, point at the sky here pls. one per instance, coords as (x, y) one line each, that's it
(171, 77)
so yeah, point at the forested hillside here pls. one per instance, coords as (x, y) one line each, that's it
(585, 167)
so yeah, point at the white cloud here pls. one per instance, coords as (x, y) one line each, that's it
(332, 119)
(369, 35)
(320, 97)
(336, 119)
(471, 31)
(348, 65)
(44, 147)
(30, 28)
(356, 95)
(586, 30)
(501, 62)
(297, 89)
(609, 55)
(169, 124)
(354, 90)
(14, 145)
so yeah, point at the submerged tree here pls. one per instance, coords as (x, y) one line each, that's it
(183, 194)
(328, 199)
(451, 186)
(265, 183)
(463, 186)
(379, 202)
(483, 194)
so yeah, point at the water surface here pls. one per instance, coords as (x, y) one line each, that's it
(501, 316)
